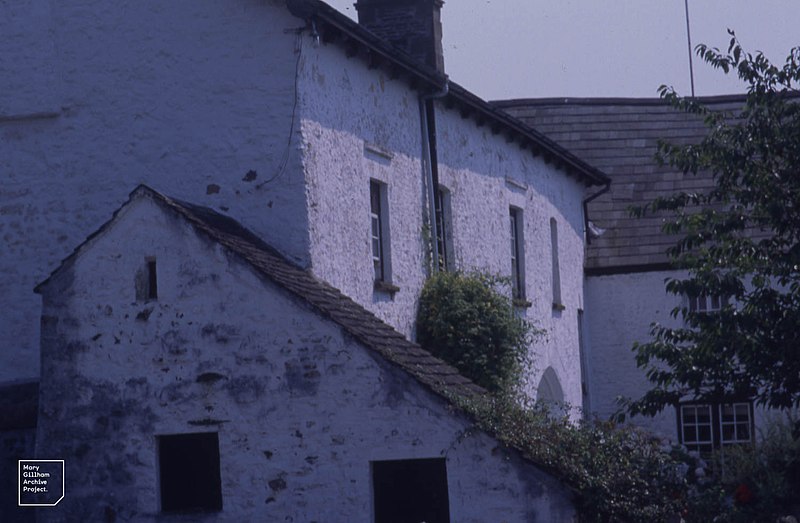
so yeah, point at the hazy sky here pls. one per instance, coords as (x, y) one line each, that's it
(535, 48)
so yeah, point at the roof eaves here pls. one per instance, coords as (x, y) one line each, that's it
(336, 27)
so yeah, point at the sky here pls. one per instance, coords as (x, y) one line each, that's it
(502, 49)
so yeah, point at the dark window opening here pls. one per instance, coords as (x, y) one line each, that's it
(377, 225)
(412, 490)
(517, 255)
(189, 472)
(152, 279)
(443, 226)
(555, 265)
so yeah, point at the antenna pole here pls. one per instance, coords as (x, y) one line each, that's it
(689, 40)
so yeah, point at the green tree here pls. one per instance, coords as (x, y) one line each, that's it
(738, 240)
(464, 320)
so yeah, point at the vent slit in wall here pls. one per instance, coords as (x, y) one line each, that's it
(152, 279)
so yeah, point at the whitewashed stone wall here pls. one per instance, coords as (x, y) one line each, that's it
(619, 311)
(299, 401)
(193, 98)
(363, 112)
(366, 126)
(485, 176)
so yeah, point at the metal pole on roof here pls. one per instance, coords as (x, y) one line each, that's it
(689, 40)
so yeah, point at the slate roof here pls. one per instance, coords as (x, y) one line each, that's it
(335, 28)
(620, 136)
(328, 301)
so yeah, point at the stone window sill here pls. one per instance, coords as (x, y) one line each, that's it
(521, 303)
(558, 306)
(383, 286)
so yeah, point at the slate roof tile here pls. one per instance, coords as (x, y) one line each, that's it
(620, 136)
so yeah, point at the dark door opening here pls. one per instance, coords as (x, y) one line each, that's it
(189, 472)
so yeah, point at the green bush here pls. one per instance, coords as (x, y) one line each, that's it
(617, 474)
(465, 320)
(762, 481)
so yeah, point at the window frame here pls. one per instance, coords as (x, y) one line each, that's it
(716, 424)
(705, 303)
(517, 237)
(556, 267)
(444, 228)
(379, 232)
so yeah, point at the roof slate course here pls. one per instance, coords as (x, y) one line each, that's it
(620, 137)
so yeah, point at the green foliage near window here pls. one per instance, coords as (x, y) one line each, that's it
(465, 320)
(763, 481)
(739, 239)
(617, 474)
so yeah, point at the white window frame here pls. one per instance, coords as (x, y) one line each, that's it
(705, 303)
(741, 419)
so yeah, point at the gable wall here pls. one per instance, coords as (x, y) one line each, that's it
(96, 98)
(300, 408)
(347, 109)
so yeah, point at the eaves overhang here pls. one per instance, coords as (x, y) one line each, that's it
(357, 42)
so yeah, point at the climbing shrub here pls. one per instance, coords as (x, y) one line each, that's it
(468, 322)
(617, 473)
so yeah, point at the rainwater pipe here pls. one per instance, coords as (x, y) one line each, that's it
(427, 166)
(586, 210)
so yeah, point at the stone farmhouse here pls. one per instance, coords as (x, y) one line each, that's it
(626, 264)
(279, 182)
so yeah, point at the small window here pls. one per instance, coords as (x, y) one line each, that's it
(443, 229)
(189, 472)
(152, 279)
(706, 427)
(411, 490)
(379, 223)
(706, 303)
(146, 280)
(517, 254)
(555, 265)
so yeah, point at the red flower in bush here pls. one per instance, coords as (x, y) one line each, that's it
(743, 495)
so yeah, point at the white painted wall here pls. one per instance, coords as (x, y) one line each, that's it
(359, 109)
(363, 108)
(190, 97)
(485, 176)
(619, 311)
(96, 98)
(301, 400)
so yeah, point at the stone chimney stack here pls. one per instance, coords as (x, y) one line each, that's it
(413, 26)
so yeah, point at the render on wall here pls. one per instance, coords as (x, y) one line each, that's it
(240, 349)
(194, 98)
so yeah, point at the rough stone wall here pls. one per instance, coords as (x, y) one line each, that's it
(193, 98)
(485, 176)
(365, 127)
(619, 311)
(373, 121)
(300, 408)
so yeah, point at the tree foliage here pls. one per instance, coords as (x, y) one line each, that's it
(738, 240)
(464, 320)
